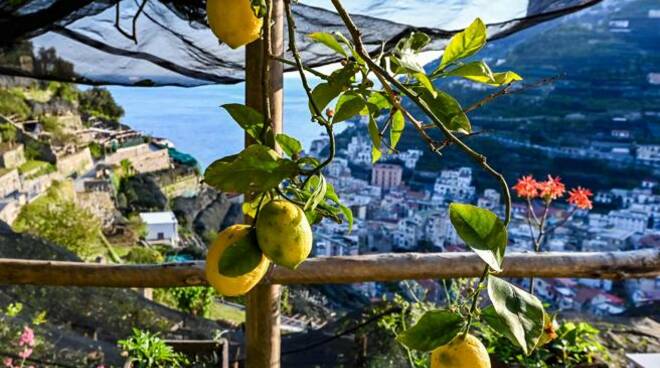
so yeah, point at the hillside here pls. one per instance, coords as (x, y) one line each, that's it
(83, 324)
(605, 56)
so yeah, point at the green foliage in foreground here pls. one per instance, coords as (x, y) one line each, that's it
(56, 217)
(194, 300)
(147, 350)
(576, 344)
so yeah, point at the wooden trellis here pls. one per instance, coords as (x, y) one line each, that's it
(262, 314)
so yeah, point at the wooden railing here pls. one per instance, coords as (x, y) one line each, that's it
(348, 269)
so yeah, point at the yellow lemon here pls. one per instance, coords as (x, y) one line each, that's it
(233, 21)
(232, 286)
(462, 352)
(283, 233)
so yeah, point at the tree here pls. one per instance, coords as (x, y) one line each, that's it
(98, 101)
(57, 218)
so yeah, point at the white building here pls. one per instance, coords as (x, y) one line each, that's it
(489, 200)
(629, 220)
(648, 152)
(454, 185)
(162, 227)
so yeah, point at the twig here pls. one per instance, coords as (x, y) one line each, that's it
(317, 115)
(293, 63)
(265, 71)
(508, 90)
(382, 74)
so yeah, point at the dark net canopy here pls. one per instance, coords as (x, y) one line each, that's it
(167, 42)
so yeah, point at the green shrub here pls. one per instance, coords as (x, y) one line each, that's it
(194, 300)
(8, 133)
(13, 103)
(576, 344)
(98, 101)
(57, 218)
(96, 150)
(65, 91)
(140, 255)
(50, 123)
(147, 350)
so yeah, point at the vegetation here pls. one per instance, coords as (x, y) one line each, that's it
(576, 344)
(98, 102)
(194, 300)
(141, 255)
(55, 217)
(12, 103)
(8, 133)
(35, 168)
(147, 350)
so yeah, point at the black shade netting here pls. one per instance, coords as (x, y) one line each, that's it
(167, 42)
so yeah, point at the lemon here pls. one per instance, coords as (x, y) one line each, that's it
(462, 352)
(283, 233)
(233, 21)
(232, 286)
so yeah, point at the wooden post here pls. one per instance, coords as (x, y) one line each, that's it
(262, 320)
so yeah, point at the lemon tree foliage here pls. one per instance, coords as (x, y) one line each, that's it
(482, 231)
(435, 328)
(286, 193)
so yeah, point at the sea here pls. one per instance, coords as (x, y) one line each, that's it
(193, 120)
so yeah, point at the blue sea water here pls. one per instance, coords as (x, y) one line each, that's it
(192, 118)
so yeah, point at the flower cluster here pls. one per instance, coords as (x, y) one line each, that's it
(26, 342)
(552, 189)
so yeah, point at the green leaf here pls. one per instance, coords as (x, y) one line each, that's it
(482, 231)
(434, 329)
(447, 109)
(506, 78)
(374, 133)
(332, 196)
(396, 129)
(288, 144)
(409, 61)
(521, 314)
(479, 71)
(424, 80)
(316, 185)
(328, 40)
(465, 43)
(323, 93)
(256, 169)
(241, 257)
(349, 105)
(251, 120)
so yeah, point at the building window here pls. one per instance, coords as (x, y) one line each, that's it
(160, 236)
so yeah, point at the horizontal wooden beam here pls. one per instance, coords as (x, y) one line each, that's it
(348, 269)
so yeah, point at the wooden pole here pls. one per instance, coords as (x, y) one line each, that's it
(333, 270)
(262, 316)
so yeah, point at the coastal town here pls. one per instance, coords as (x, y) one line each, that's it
(391, 215)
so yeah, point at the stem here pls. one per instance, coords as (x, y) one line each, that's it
(382, 74)
(539, 239)
(265, 71)
(316, 112)
(475, 300)
(451, 138)
(293, 63)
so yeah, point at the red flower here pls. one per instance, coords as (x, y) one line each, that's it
(579, 197)
(552, 188)
(527, 187)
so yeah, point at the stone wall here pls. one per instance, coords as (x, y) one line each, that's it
(10, 182)
(79, 162)
(144, 158)
(101, 204)
(12, 157)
